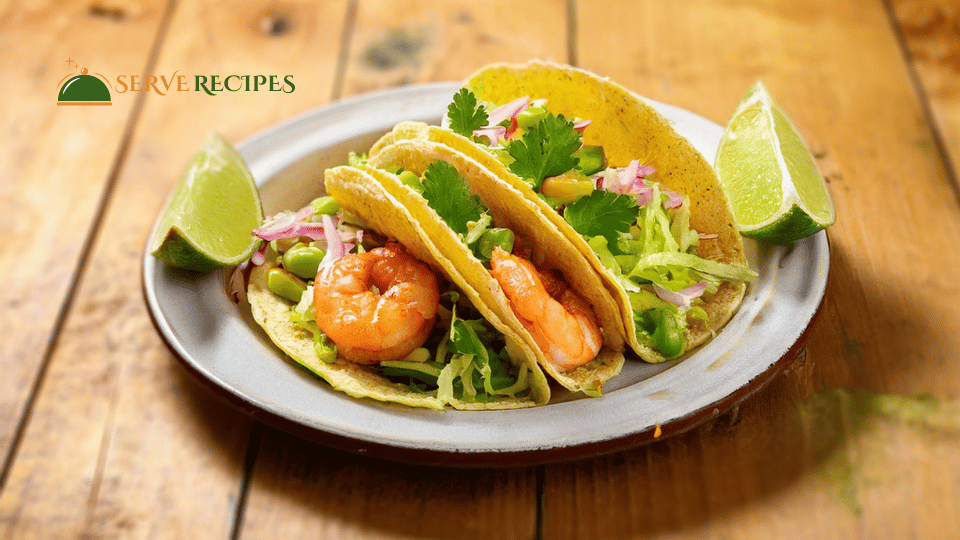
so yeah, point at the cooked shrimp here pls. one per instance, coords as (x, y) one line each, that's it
(376, 306)
(560, 320)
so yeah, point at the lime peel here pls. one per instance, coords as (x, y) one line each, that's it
(207, 222)
(775, 189)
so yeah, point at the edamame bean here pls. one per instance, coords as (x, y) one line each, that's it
(492, 238)
(668, 336)
(326, 350)
(531, 116)
(303, 260)
(325, 205)
(284, 284)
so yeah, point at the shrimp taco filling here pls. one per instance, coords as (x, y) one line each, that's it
(560, 321)
(372, 308)
(638, 229)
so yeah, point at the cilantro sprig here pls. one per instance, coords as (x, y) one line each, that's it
(602, 213)
(465, 113)
(448, 193)
(545, 150)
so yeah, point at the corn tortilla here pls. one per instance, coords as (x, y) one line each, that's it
(361, 194)
(550, 250)
(627, 128)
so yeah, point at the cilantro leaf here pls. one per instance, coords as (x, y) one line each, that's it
(465, 113)
(450, 197)
(602, 213)
(545, 149)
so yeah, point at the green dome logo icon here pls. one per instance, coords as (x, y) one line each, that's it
(84, 89)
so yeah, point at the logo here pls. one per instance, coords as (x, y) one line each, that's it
(84, 89)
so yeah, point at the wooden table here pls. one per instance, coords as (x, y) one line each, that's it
(103, 435)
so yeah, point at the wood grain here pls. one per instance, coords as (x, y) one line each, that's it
(120, 443)
(433, 40)
(860, 438)
(786, 465)
(55, 165)
(931, 31)
(303, 490)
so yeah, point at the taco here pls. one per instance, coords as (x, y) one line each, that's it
(528, 275)
(379, 313)
(607, 171)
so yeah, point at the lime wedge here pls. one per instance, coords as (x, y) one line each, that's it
(208, 220)
(775, 189)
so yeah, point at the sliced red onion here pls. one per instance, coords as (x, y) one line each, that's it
(644, 196)
(291, 226)
(304, 213)
(674, 199)
(275, 226)
(582, 125)
(629, 180)
(493, 134)
(627, 177)
(683, 297)
(538, 102)
(237, 283)
(508, 110)
(260, 256)
(625, 181)
(336, 248)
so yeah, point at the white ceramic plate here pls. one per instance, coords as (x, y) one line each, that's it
(218, 341)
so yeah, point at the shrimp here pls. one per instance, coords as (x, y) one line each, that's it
(560, 321)
(376, 306)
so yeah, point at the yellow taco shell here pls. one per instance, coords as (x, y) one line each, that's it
(551, 250)
(361, 194)
(627, 128)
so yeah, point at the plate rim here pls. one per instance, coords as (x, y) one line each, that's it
(454, 456)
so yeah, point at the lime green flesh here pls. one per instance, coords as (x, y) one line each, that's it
(208, 220)
(775, 189)
(803, 169)
(751, 174)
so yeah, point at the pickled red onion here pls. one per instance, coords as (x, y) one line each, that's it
(336, 248)
(493, 133)
(683, 297)
(508, 110)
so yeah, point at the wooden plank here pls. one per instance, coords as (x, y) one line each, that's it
(431, 40)
(395, 44)
(303, 490)
(121, 443)
(55, 164)
(791, 466)
(931, 30)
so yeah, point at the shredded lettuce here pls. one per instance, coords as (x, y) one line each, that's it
(465, 366)
(355, 160)
(475, 229)
(648, 246)
(671, 262)
(326, 350)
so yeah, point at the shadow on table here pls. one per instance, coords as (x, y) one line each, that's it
(779, 448)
